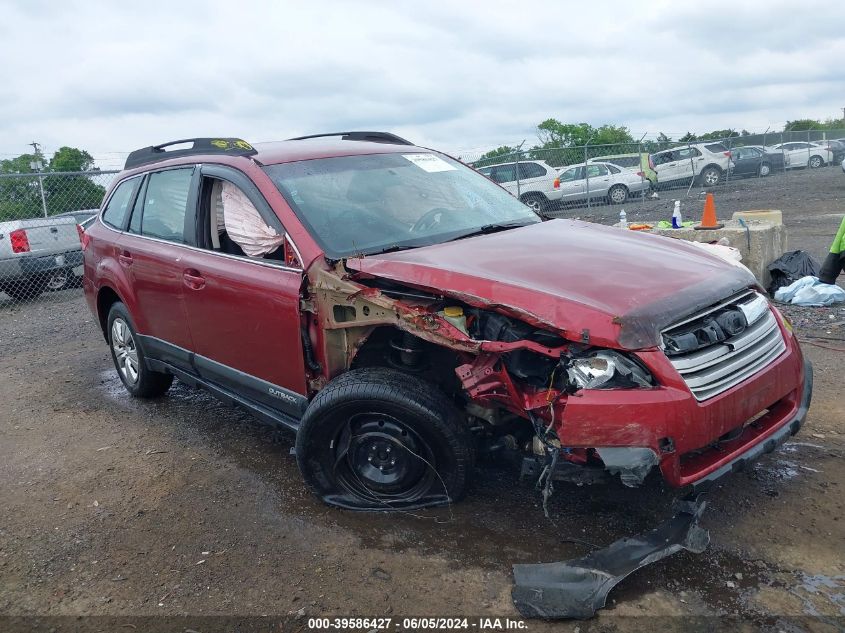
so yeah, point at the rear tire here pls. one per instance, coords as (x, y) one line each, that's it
(129, 359)
(710, 176)
(617, 194)
(765, 169)
(815, 162)
(378, 439)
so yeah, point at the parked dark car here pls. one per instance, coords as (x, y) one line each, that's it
(755, 161)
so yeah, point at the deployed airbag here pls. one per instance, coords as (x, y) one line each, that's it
(244, 224)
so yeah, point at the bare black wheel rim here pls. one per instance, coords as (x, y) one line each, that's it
(381, 459)
(57, 280)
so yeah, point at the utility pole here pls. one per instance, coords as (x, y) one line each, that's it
(38, 165)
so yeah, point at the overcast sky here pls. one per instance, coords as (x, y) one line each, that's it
(110, 77)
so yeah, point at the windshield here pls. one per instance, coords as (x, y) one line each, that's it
(355, 205)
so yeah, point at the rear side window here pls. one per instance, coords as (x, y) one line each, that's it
(614, 170)
(594, 171)
(531, 170)
(504, 173)
(688, 152)
(165, 204)
(118, 206)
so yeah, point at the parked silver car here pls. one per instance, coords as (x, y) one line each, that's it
(37, 255)
(600, 180)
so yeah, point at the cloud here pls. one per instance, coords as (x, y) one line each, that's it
(111, 77)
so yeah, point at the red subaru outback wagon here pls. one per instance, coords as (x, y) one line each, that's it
(402, 314)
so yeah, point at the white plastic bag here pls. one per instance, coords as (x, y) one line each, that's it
(809, 291)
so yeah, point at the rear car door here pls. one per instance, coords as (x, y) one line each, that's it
(689, 163)
(243, 311)
(666, 166)
(746, 160)
(151, 252)
(597, 180)
(505, 175)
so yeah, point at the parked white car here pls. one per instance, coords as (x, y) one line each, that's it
(600, 180)
(705, 162)
(802, 154)
(537, 184)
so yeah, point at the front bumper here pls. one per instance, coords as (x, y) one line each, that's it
(693, 442)
(765, 444)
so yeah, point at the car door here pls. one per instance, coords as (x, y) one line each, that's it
(533, 177)
(151, 253)
(666, 166)
(746, 160)
(505, 175)
(572, 184)
(597, 181)
(689, 162)
(244, 311)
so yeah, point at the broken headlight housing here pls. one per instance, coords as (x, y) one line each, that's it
(606, 369)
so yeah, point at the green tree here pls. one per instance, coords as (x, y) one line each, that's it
(802, 125)
(21, 197)
(494, 156)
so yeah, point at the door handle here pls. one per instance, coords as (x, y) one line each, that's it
(125, 258)
(193, 279)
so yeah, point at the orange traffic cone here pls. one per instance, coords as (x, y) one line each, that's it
(708, 218)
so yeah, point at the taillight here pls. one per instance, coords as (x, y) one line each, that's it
(728, 154)
(556, 183)
(83, 236)
(20, 242)
(640, 174)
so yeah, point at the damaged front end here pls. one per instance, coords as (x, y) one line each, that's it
(511, 373)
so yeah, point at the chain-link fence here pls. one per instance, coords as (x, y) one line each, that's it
(40, 249)
(558, 179)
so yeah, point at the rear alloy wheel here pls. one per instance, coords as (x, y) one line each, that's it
(617, 194)
(128, 357)
(815, 162)
(379, 439)
(536, 202)
(765, 169)
(711, 176)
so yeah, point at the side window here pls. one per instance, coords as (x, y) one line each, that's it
(594, 171)
(165, 204)
(614, 169)
(662, 159)
(138, 210)
(569, 175)
(235, 225)
(505, 173)
(531, 170)
(687, 153)
(118, 206)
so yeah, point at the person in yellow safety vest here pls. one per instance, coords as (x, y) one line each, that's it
(835, 261)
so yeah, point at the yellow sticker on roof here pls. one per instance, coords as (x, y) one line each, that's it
(429, 162)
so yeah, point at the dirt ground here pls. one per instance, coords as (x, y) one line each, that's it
(111, 506)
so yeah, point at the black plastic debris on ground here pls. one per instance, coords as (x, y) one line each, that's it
(791, 267)
(578, 588)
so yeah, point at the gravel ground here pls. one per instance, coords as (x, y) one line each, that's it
(183, 507)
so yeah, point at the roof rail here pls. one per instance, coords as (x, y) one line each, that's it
(372, 137)
(217, 145)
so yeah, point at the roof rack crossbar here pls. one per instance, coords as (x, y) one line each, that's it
(372, 137)
(215, 145)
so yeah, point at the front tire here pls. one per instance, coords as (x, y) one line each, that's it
(617, 194)
(128, 357)
(815, 162)
(379, 439)
(536, 202)
(765, 169)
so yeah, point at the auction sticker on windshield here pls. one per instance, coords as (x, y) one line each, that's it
(429, 162)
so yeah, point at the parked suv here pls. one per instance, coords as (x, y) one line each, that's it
(402, 314)
(535, 182)
(706, 163)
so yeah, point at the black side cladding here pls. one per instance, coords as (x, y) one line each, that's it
(579, 588)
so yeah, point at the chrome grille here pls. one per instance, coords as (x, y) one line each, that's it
(711, 370)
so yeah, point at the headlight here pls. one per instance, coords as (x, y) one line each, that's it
(607, 369)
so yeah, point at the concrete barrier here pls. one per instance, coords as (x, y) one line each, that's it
(761, 241)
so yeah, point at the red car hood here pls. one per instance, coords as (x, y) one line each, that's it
(624, 287)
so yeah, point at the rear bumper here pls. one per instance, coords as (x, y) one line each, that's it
(26, 266)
